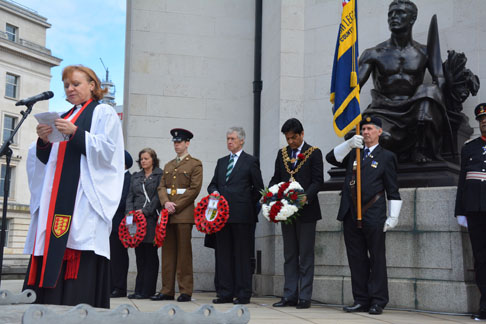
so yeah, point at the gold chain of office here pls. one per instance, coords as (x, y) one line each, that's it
(286, 159)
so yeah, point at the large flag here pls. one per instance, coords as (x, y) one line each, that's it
(344, 83)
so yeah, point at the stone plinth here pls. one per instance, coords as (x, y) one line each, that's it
(429, 257)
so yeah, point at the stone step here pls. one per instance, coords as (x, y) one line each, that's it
(14, 266)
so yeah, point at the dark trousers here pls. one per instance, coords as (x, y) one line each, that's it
(476, 225)
(367, 261)
(91, 287)
(147, 269)
(233, 260)
(299, 240)
(118, 263)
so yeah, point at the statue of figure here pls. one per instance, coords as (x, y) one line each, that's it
(414, 114)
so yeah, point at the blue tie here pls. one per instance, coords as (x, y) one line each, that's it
(294, 157)
(366, 153)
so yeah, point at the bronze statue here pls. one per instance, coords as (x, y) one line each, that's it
(415, 115)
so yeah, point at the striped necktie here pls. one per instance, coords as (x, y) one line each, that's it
(230, 166)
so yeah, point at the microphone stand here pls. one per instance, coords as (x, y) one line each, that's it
(6, 151)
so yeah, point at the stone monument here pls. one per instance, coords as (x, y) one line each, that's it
(423, 123)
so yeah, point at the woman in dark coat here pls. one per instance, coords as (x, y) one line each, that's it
(143, 196)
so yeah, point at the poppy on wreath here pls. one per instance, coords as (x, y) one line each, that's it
(203, 224)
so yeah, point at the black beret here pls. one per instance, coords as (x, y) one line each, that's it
(371, 120)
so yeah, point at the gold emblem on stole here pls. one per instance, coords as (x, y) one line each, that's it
(60, 225)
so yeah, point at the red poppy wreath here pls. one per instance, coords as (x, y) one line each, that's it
(128, 240)
(211, 213)
(161, 228)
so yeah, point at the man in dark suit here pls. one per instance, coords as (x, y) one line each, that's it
(365, 246)
(471, 202)
(306, 166)
(118, 253)
(238, 178)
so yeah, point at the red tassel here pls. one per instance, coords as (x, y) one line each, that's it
(72, 258)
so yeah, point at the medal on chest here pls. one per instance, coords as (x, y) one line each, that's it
(484, 150)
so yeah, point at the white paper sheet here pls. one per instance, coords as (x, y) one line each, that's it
(48, 118)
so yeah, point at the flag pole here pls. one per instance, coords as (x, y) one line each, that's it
(358, 184)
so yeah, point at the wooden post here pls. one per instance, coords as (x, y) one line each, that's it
(358, 184)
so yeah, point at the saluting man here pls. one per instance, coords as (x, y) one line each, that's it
(179, 187)
(365, 246)
(471, 202)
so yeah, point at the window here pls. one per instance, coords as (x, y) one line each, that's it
(3, 172)
(12, 32)
(12, 86)
(9, 123)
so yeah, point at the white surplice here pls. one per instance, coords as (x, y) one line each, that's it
(99, 189)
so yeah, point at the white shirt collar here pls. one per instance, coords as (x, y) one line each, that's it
(237, 154)
(299, 149)
(373, 147)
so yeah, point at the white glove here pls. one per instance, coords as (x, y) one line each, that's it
(344, 148)
(394, 207)
(462, 220)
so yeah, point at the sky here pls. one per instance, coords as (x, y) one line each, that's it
(82, 32)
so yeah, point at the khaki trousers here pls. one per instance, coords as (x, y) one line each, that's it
(177, 258)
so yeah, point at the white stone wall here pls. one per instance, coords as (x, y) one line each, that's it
(190, 65)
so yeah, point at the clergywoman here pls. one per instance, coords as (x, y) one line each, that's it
(76, 186)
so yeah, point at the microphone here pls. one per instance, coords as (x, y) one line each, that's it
(32, 100)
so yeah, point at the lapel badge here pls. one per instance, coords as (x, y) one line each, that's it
(374, 164)
(484, 150)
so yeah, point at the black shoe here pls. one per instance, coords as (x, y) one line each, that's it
(138, 296)
(160, 296)
(116, 293)
(303, 304)
(223, 300)
(284, 302)
(479, 316)
(241, 301)
(375, 310)
(183, 298)
(356, 308)
(141, 296)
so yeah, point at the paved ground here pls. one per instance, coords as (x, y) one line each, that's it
(262, 312)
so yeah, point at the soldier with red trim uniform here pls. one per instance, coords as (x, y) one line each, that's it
(471, 202)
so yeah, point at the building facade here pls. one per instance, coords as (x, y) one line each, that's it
(190, 64)
(25, 70)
